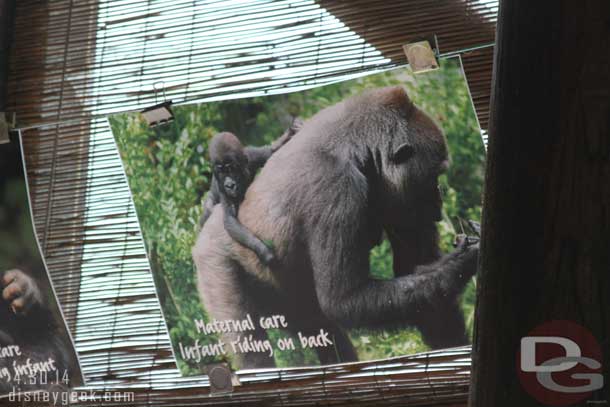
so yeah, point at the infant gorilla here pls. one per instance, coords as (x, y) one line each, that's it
(234, 167)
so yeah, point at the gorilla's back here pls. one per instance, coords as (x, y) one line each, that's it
(309, 174)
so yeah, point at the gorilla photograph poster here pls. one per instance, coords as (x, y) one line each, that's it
(330, 225)
(36, 349)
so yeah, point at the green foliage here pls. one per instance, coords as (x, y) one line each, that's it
(269, 243)
(291, 358)
(169, 174)
(372, 345)
(381, 262)
(16, 233)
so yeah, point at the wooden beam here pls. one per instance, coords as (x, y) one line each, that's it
(7, 15)
(545, 251)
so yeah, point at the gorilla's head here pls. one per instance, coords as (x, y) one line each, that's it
(417, 157)
(409, 153)
(230, 165)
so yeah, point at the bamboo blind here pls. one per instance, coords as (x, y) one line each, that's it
(75, 62)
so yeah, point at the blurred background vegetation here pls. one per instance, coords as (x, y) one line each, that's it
(169, 173)
(18, 247)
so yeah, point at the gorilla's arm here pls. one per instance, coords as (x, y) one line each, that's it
(258, 156)
(244, 236)
(208, 206)
(349, 296)
(412, 249)
(345, 290)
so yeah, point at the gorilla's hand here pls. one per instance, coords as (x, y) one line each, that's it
(20, 291)
(465, 257)
(453, 270)
(475, 226)
(295, 126)
(465, 239)
(268, 257)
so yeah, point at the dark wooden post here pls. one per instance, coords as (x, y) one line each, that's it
(545, 251)
(7, 11)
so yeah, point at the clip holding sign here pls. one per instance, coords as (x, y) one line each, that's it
(222, 379)
(422, 54)
(158, 114)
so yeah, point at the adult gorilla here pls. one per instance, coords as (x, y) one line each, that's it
(366, 165)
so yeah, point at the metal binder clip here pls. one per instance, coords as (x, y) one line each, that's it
(160, 113)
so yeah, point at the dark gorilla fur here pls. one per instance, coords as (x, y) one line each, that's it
(364, 166)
